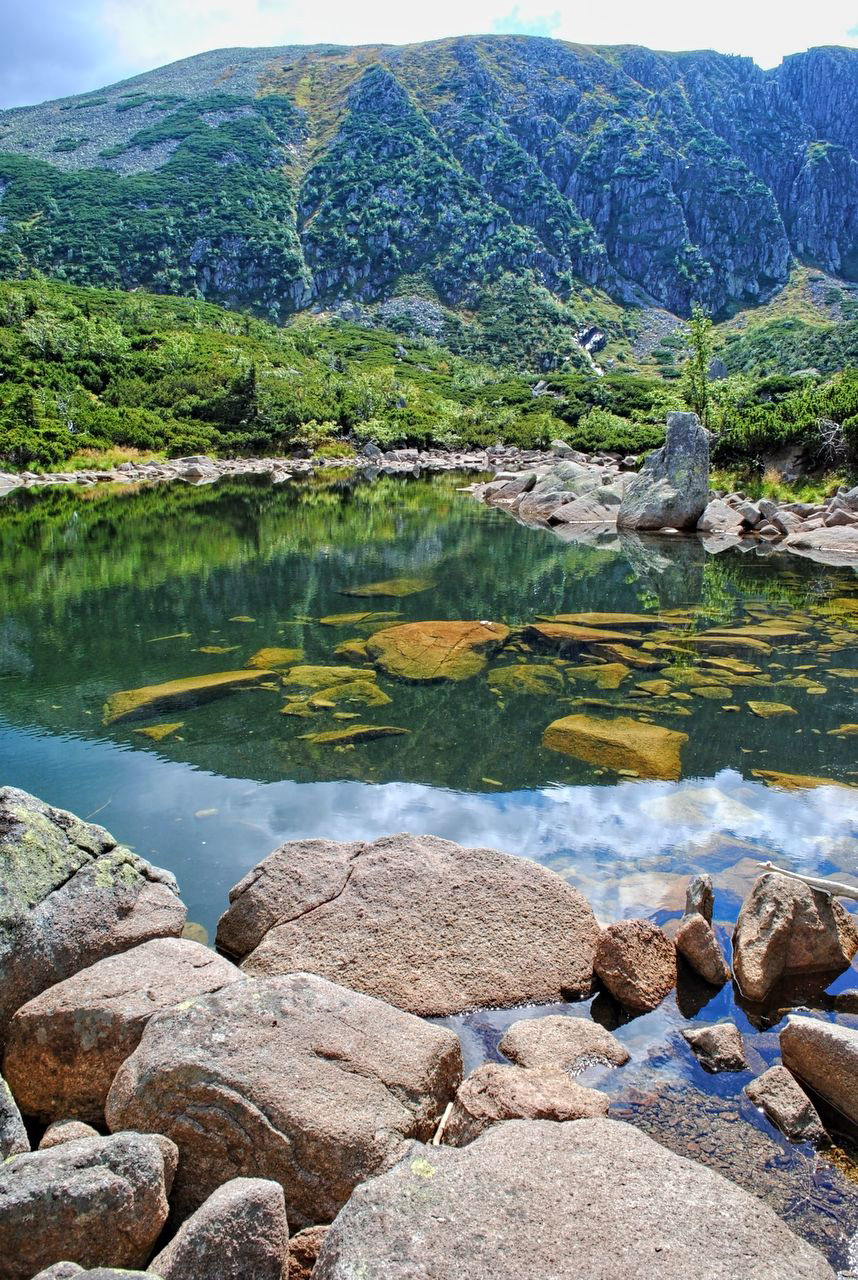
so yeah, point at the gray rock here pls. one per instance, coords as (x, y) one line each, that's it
(495, 1093)
(103, 1200)
(574, 1044)
(68, 1270)
(294, 1079)
(700, 897)
(421, 922)
(71, 896)
(65, 1046)
(787, 1105)
(66, 1131)
(13, 1135)
(719, 517)
(594, 1198)
(671, 490)
(825, 1056)
(239, 1233)
(719, 1047)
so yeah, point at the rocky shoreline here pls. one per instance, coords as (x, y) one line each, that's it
(282, 1107)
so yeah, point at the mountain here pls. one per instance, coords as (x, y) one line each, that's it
(515, 188)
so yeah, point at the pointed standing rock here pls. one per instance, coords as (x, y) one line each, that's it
(671, 490)
(696, 942)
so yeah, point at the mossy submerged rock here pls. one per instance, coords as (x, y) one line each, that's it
(319, 677)
(364, 693)
(353, 734)
(274, 658)
(594, 1198)
(187, 692)
(437, 650)
(526, 678)
(71, 896)
(396, 588)
(647, 750)
(421, 922)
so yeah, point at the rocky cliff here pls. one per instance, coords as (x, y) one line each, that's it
(283, 178)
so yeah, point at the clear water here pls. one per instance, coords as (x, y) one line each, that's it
(102, 592)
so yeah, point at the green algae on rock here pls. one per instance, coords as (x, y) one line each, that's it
(187, 692)
(274, 658)
(562, 637)
(157, 732)
(607, 675)
(320, 677)
(797, 781)
(523, 678)
(393, 587)
(355, 733)
(437, 650)
(364, 692)
(352, 619)
(648, 750)
(353, 650)
(767, 709)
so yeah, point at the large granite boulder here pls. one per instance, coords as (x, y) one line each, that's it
(13, 1135)
(421, 922)
(825, 1056)
(592, 1198)
(64, 1047)
(636, 962)
(494, 1093)
(786, 929)
(293, 1079)
(69, 895)
(240, 1233)
(671, 490)
(101, 1202)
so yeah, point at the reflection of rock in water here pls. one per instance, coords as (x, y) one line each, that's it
(15, 642)
(671, 567)
(813, 1196)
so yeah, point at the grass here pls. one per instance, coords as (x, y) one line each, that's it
(105, 459)
(770, 485)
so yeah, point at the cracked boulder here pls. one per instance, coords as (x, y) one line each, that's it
(420, 922)
(100, 1201)
(594, 1198)
(70, 897)
(65, 1046)
(292, 1079)
(436, 650)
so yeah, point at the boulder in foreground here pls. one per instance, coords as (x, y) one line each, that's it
(825, 1056)
(593, 1198)
(423, 923)
(293, 1079)
(240, 1233)
(102, 1201)
(786, 929)
(494, 1093)
(71, 896)
(65, 1046)
(621, 743)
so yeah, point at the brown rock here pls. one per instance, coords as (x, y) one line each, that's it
(304, 1249)
(787, 1105)
(719, 1048)
(825, 1056)
(65, 1046)
(13, 1135)
(787, 929)
(637, 963)
(494, 1093)
(556, 1041)
(646, 750)
(695, 940)
(594, 1198)
(71, 896)
(239, 1233)
(436, 650)
(66, 1131)
(293, 1079)
(420, 922)
(102, 1200)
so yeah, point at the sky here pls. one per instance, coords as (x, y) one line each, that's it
(52, 48)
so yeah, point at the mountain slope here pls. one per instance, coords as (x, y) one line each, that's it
(463, 170)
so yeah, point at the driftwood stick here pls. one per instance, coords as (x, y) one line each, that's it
(833, 887)
(439, 1132)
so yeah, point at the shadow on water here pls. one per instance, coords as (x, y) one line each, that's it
(111, 591)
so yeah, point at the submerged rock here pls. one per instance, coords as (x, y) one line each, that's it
(647, 750)
(364, 693)
(239, 1233)
(825, 1056)
(418, 921)
(71, 896)
(533, 1198)
(786, 929)
(671, 490)
(188, 692)
(526, 678)
(436, 650)
(294, 1079)
(355, 733)
(719, 1047)
(787, 1105)
(605, 675)
(495, 1093)
(574, 1044)
(65, 1046)
(314, 677)
(273, 659)
(101, 1200)
(394, 587)
(636, 962)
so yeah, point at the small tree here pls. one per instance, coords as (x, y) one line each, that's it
(695, 375)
